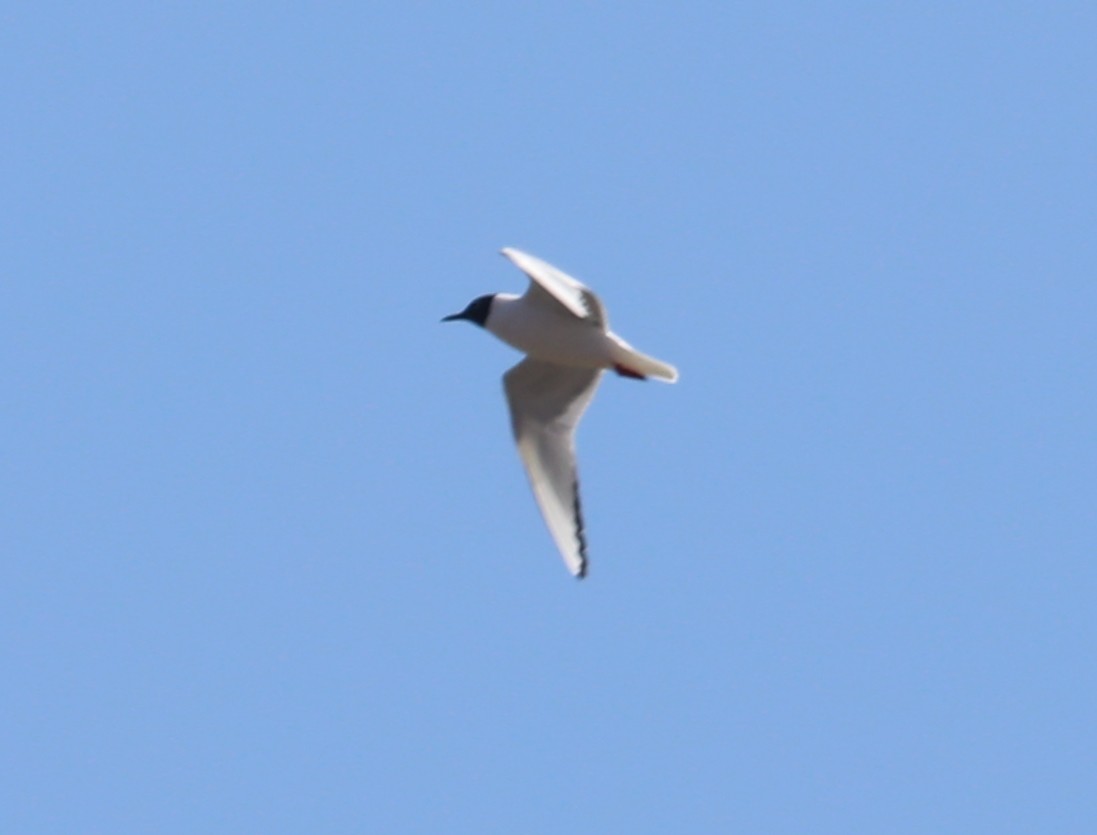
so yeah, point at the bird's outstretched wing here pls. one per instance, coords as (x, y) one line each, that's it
(554, 286)
(546, 401)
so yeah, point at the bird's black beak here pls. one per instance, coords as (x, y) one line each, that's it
(476, 311)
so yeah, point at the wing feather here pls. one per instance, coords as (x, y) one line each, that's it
(546, 401)
(552, 285)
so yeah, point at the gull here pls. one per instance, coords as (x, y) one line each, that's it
(562, 328)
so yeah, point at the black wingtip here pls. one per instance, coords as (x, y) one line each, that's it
(579, 533)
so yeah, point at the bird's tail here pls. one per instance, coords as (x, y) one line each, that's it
(631, 363)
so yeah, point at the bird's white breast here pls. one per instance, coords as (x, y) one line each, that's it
(547, 334)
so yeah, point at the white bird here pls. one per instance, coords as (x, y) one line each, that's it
(562, 328)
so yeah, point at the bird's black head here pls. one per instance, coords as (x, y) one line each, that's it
(477, 311)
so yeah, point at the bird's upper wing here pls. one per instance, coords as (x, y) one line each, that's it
(546, 401)
(551, 285)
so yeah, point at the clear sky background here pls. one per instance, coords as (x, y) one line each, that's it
(270, 563)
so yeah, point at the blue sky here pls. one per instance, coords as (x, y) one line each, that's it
(270, 561)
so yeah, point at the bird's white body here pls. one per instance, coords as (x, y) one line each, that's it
(550, 333)
(561, 320)
(562, 327)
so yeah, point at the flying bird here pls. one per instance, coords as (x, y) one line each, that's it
(562, 328)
